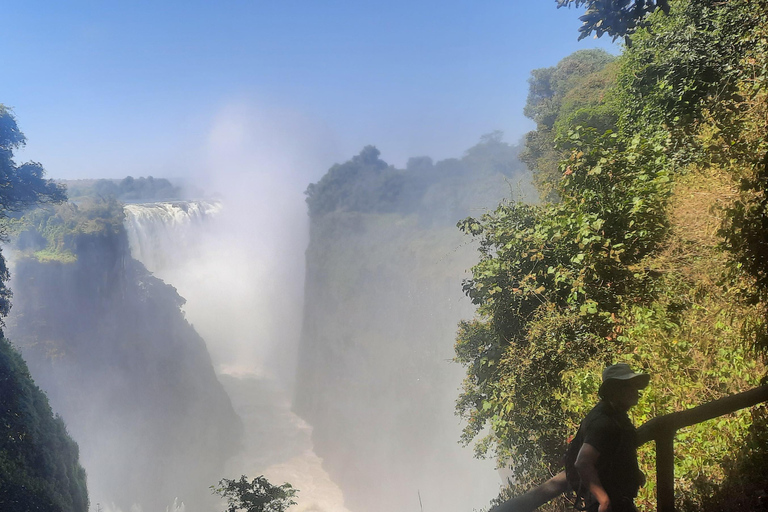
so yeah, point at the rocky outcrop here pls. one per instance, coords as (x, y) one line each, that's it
(109, 344)
(382, 301)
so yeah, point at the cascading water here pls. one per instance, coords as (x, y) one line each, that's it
(226, 282)
(163, 233)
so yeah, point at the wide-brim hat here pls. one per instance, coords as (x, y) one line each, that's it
(621, 372)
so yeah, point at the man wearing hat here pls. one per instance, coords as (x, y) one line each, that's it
(607, 460)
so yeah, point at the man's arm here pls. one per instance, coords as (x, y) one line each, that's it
(586, 465)
(536, 497)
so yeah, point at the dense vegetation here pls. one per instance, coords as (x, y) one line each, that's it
(39, 467)
(53, 232)
(128, 189)
(39, 462)
(436, 192)
(650, 249)
(614, 17)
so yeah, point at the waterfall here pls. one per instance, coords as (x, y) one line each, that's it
(160, 234)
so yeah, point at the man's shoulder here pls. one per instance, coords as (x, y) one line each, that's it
(602, 417)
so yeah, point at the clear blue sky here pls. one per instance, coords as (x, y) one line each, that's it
(108, 89)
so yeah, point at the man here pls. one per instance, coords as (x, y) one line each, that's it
(607, 460)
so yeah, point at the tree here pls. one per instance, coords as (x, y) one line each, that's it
(256, 496)
(549, 287)
(575, 92)
(21, 187)
(614, 17)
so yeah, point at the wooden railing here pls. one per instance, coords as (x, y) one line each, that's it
(662, 429)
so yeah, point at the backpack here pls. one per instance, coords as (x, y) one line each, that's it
(574, 480)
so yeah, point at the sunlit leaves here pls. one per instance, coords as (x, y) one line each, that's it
(614, 17)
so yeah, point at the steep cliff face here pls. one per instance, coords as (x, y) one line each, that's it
(383, 297)
(109, 344)
(39, 465)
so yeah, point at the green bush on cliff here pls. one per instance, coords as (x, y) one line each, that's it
(52, 233)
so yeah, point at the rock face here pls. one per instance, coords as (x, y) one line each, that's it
(382, 301)
(109, 344)
(375, 377)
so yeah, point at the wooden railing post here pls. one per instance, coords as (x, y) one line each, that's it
(665, 471)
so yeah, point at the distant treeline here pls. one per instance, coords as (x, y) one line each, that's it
(128, 189)
(367, 184)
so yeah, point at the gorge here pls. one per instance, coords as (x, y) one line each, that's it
(160, 333)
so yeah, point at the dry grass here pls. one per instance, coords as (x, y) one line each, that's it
(696, 211)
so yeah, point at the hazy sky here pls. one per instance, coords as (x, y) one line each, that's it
(108, 89)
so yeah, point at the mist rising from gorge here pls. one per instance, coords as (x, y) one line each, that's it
(244, 278)
(240, 267)
(375, 379)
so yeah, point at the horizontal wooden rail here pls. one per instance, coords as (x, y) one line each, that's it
(662, 430)
(661, 425)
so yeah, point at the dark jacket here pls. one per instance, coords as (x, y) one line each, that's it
(614, 436)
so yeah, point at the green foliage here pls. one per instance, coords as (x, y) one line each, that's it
(548, 86)
(39, 468)
(686, 67)
(628, 264)
(575, 92)
(21, 186)
(364, 184)
(256, 496)
(52, 233)
(440, 193)
(738, 142)
(746, 472)
(614, 17)
(548, 287)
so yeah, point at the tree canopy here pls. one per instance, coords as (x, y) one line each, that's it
(614, 17)
(368, 184)
(21, 187)
(257, 495)
(39, 467)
